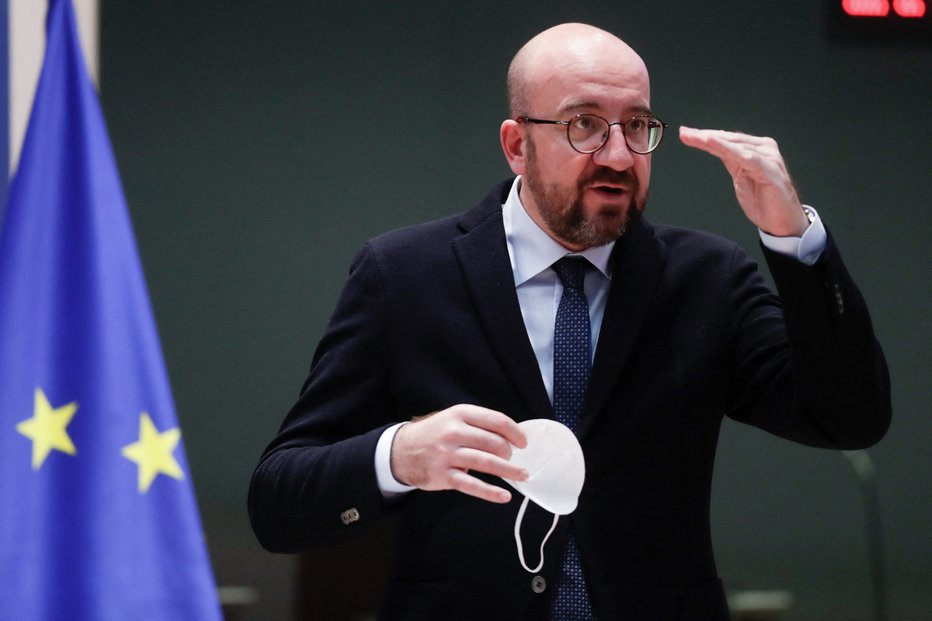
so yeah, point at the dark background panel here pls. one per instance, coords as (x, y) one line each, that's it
(261, 143)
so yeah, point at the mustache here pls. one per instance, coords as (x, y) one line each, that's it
(610, 175)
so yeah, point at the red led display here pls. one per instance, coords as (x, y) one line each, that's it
(881, 8)
(878, 22)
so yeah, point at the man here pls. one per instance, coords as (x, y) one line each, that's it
(451, 326)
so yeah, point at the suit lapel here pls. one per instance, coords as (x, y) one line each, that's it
(483, 257)
(638, 260)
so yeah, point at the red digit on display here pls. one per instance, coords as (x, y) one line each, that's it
(909, 8)
(866, 8)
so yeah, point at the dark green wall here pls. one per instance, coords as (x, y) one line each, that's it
(261, 143)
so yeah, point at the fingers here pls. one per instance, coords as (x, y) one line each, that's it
(471, 486)
(497, 423)
(480, 461)
(762, 182)
(438, 452)
(691, 134)
(756, 155)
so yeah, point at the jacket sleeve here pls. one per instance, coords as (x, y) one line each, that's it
(316, 482)
(821, 371)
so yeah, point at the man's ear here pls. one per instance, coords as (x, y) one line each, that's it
(513, 144)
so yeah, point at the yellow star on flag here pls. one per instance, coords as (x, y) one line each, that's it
(47, 429)
(153, 452)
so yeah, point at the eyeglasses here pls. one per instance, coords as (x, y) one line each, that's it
(587, 133)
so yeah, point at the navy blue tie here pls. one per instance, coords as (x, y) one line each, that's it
(571, 360)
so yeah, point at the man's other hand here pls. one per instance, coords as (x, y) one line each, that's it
(437, 452)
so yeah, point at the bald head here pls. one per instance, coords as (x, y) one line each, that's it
(581, 198)
(566, 48)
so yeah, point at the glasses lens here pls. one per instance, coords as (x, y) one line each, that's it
(587, 132)
(643, 133)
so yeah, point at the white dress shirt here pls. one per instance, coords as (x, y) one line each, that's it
(531, 252)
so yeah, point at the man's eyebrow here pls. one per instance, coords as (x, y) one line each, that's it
(577, 106)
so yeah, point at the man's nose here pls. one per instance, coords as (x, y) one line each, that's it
(615, 152)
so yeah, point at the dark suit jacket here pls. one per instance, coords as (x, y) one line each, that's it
(429, 318)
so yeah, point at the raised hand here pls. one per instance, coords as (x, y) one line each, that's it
(762, 183)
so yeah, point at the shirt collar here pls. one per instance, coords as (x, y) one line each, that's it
(532, 250)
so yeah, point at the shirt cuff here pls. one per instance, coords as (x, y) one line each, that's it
(383, 464)
(807, 248)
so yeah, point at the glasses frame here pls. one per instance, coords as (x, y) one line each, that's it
(622, 124)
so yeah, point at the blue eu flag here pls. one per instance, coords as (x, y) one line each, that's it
(99, 520)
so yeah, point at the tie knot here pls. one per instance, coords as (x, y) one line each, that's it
(572, 271)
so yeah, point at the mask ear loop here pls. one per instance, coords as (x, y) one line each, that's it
(518, 537)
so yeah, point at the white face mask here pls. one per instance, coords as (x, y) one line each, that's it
(556, 468)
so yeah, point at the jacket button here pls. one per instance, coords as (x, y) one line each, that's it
(538, 584)
(349, 516)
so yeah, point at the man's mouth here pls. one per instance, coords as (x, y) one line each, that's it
(608, 190)
(611, 183)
